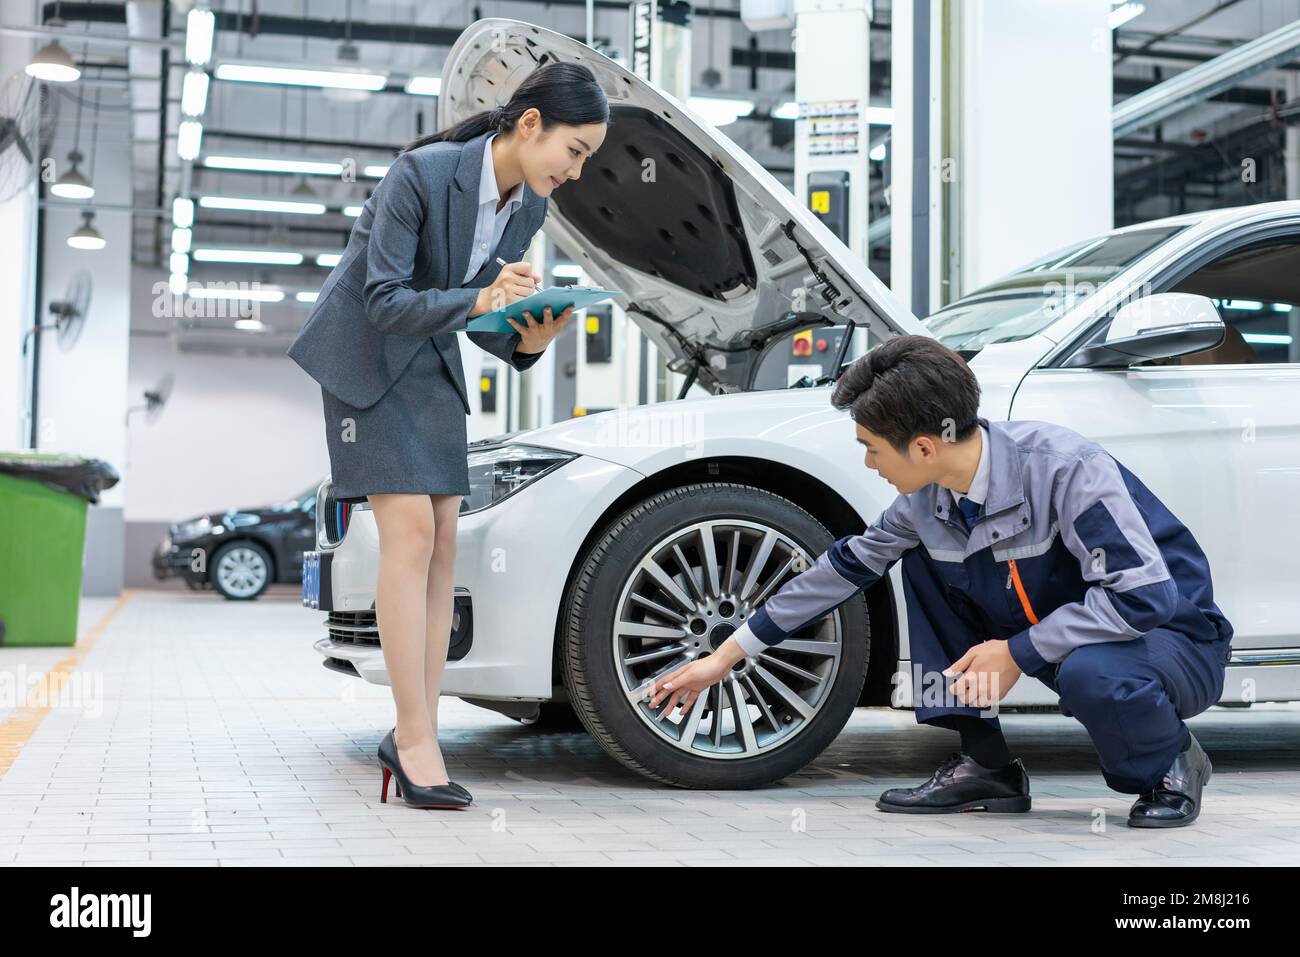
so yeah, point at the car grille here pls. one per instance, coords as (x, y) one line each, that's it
(361, 627)
(358, 627)
(333, 516)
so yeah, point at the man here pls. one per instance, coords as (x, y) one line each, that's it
(1025, 548)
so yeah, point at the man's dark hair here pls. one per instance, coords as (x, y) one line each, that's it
(909, 386)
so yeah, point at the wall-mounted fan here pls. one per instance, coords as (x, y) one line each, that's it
(70, 311)
(154, 401)
(157, 397)
(20, 113)
(69, 317)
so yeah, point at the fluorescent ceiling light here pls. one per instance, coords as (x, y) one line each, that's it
(199, 27)
(188, 139)
(424, 85)
(789, 110)
(194, 93)
(1267, 338)
(179, 263)
(877, 153)
(266, 164)
(261, 256)
(306, 296)
(237, 294)
(182, 212)
(254, 205)
(292, 76)
(181, 240)
(719, 111)
(251, 325)
(1251, 305)
(567, 271)
(329, 260)
(1281, 307)
(177, 282)
(53, 63)
(351, 210)
(1124, 13)
(378, 171)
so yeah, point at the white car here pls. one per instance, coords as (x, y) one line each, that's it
(596, 553)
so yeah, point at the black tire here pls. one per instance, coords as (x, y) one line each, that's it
(226, 588)
(598, 689)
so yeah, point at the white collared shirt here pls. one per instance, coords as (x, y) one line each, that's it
(979, 485)
(490, 224)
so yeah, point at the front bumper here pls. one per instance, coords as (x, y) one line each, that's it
(512, 567)
(173, 561)
(352, 647)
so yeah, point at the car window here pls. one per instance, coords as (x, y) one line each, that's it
(1256, 290)
(1028, 300)
(1110, 250)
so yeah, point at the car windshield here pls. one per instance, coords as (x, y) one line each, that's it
(1029, 299)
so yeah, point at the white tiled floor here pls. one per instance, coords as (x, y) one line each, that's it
(216, 737)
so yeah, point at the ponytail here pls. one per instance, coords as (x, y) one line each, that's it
(562, 93)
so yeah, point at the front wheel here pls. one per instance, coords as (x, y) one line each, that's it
(241, 570)
(667, 583)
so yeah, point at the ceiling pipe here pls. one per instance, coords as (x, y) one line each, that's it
(1207, 79)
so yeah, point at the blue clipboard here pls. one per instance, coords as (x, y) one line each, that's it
(558, 298)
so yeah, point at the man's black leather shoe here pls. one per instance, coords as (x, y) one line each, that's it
(962, 784)
(1176, 800)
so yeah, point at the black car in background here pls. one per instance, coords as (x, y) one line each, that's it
(240, 552)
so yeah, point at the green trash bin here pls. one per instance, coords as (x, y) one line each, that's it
(43, 499)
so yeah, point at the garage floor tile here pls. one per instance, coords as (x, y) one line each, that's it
(191, 730)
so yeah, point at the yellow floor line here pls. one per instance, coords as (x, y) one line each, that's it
(18, 728)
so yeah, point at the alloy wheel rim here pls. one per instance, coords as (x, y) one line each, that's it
(241, 571)
(689, 592)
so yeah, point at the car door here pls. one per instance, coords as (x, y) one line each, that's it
(1215, 435)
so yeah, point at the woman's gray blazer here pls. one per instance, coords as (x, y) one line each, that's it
(399, 279)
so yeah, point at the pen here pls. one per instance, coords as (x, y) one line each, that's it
(536, 288)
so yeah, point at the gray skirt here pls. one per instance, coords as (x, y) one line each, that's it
(412, 440)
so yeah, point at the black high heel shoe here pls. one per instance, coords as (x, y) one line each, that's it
(440, 796)
(392, 733)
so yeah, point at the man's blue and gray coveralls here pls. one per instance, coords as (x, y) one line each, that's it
(1101, 593)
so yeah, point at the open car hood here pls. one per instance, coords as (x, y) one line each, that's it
(715, 258)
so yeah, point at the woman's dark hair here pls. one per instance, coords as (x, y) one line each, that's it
(562, 92)
(909, 386)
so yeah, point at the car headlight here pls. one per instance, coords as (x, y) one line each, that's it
(497, 473)
(192, 529)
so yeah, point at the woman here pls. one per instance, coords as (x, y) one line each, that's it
(420, 262)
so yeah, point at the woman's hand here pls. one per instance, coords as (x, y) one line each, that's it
(687, 683)
(514, 282)
(537, 335)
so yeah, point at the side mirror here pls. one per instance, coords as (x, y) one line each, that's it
(1161, 326)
